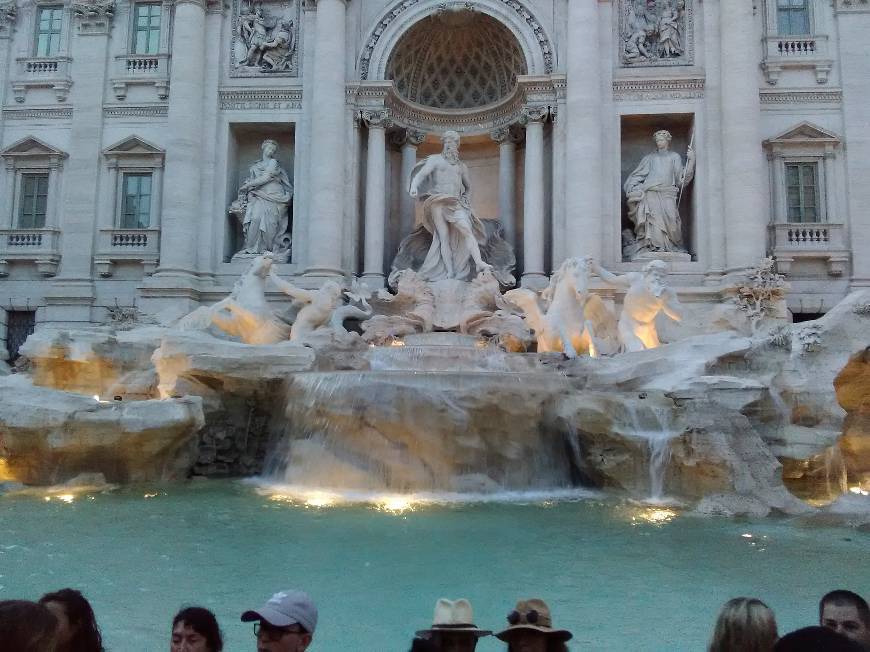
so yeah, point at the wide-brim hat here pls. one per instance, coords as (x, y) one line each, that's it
(453, 616)
(532, 615)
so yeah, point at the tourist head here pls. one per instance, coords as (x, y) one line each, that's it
(530, 629)
(846, 613)
(744, 625)
(816, 639)
(27, 626)
(195, 629)
(663, 138)
(77, 626)
(268, 147)
(286, 623)
(453, 628)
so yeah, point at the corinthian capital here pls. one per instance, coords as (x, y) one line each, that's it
(534, 114)
(376, 118)
(8, 13)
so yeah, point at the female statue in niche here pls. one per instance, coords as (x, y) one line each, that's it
(653, 191)
(264, 198)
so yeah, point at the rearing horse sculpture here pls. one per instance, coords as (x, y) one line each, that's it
(573, 320)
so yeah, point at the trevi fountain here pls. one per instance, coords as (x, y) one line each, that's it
(450, 432)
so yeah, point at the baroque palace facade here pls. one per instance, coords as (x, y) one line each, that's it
(130, 130)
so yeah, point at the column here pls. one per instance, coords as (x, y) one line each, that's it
(407, 204)
(376, 201)
(853, 25)
(534, 232)
(743, 173)
(184, 138)
(328, 147)
(584, 132)
(507, 182)
(71, 297)
(709, 172)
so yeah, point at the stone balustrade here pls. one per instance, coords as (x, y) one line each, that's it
(42, 72)
(135, 245)
(40, 246)
(783, 52)
(143, 69)
(821, 240)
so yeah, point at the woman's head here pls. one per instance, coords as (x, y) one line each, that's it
(744, 625)
(77, 626)
(27, 626)
(195, 629)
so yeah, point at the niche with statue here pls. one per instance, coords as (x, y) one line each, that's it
(657, 166)
(260, 192)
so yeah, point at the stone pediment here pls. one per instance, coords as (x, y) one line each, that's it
(803, 134)
(133, 146)
(32, 147)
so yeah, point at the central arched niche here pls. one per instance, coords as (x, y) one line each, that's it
(456, 60)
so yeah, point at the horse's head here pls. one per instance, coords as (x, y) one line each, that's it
(261, 265)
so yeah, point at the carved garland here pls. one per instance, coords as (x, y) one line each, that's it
(399, 9)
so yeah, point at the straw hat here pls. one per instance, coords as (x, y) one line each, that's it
(453, 616)
(532, 614)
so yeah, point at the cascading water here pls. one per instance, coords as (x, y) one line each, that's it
(653, 424)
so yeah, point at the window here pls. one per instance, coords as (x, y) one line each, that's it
(136, 206)
(146, 37)
(802, 192)
(33, 201)
(793, 17)
(48, 26)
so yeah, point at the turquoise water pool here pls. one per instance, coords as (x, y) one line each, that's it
(620, 576)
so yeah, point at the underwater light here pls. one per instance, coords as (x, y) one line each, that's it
(859, 491)
(396, 504)
(655, 515)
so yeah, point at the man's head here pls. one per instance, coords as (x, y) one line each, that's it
(846, 613)
(663, 138)
(450, 140)
(286, 623)
(657, 269)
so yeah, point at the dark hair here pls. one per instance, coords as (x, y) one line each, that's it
(26, 626)
(423, 645)
(813, 639)
(841, 597)
(204, 623)
(86, 635)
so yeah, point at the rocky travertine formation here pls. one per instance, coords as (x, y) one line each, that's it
(48, 436)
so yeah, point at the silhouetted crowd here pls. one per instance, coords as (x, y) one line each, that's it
(63, 621)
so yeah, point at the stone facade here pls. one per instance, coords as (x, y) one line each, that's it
(128, 128)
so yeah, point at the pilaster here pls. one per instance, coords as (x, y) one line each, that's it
(376, 121)
(534, 231)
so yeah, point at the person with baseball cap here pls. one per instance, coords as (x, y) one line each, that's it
(286, 623)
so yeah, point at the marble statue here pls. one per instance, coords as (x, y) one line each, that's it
(262, 205)
(450, 241)
(647, 295)
(574, 321)
(245, 313)
(269, 42)
(653, 191)
(318, 305)
(670, 28)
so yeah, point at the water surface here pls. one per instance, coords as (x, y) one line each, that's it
(617, 580)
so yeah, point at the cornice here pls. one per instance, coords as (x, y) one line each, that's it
(829, 96)
(37, 113)
(651, 89)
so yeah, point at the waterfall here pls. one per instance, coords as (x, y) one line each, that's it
(653, 423)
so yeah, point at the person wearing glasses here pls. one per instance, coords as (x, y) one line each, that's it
(530, 629)
(285, 623)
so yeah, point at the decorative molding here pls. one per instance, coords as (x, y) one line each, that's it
(35, 113)
(135, 111)
(852, 5)
(534, 114)
(93, 16)
(802, 97)
(398, 9)
(658, 89)
(637, 48)
(256, 99)
(8, 14)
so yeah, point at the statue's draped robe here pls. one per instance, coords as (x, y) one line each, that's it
(653, 191)
(455, 210)
(266, 213)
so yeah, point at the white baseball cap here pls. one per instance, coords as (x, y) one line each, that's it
(286, 608)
